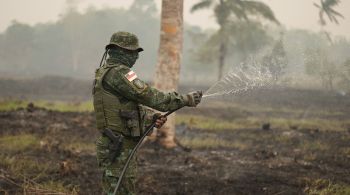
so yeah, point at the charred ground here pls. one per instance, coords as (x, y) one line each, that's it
(270, 142)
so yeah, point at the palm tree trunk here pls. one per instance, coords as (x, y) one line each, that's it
(169, 58)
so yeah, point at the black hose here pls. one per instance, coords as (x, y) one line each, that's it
(149, 129)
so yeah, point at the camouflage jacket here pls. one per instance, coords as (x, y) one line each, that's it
(120, 99)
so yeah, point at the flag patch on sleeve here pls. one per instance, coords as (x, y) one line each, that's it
(131, 75)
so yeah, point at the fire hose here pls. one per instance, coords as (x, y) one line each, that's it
(148, 130)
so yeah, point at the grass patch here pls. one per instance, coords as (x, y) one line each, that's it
(12, 156)
(320, 124)
(346, 151)
(66, 106)
(211, 142)
(19, 161)
(326, 187)
(80, 147)
(15, 143)
(24, 166)
(256, 108)
(314, 146)
(61, 106)
(207, 123)
(50, 187)
(6, 105)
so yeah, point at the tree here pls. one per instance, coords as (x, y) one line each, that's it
(73, 22)
(169, 58)
(346, 74)
(16, 48)
(326, 7)
(329, 62)
(318, 63)
(72, 46)
(276, 61)
(228, 11)
(250, 37)
(147, 6)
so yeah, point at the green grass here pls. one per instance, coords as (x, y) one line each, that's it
(61, 106)
(326, 187)
(207, 123)
(20, 166)
(211, 142)
(314, 145)
(50, 187)
(80, 147)
(15, 143)
(256, 108)
(16, 157)
(202, 122)
(346, 151)
(6, 105)
(315, 123)
(13, 158)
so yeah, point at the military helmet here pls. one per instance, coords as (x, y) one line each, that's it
(125, 40)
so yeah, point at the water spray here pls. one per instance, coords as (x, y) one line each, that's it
(241, 79)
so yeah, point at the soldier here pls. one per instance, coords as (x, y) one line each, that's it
(120, 98)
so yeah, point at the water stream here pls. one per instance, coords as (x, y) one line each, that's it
(241, 79)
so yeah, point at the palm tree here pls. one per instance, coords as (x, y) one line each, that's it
(228, 11)
(169, 58)
(326, 7)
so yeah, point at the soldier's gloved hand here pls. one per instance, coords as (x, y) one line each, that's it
(194, 98)
(159, 119)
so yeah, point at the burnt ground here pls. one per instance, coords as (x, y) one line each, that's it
(265, 168)
(59, 156)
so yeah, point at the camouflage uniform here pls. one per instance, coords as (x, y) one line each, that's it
(119, 100)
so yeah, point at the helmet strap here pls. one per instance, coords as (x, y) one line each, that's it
(104, 57)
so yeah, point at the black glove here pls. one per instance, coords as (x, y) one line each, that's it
(159, 119)
(156, 116)
(194, 98)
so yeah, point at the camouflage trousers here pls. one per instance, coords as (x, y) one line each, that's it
(112, 170)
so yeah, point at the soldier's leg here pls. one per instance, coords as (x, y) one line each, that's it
(127, 187)
(112, 170)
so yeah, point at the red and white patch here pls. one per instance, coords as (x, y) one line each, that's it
(131, 76)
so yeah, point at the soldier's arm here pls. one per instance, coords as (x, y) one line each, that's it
(141, 92)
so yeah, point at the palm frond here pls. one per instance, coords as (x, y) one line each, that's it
(259, 8)
(222, 13)
(237, 9)
(316, 5)
(330, 3)
(326, 7)
(201, 5)
(335, 13)
(330, 16)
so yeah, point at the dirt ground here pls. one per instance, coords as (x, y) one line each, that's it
(60, 158)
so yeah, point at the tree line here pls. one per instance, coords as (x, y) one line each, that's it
(73, 45)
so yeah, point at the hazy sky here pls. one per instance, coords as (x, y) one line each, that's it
(291, 13)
